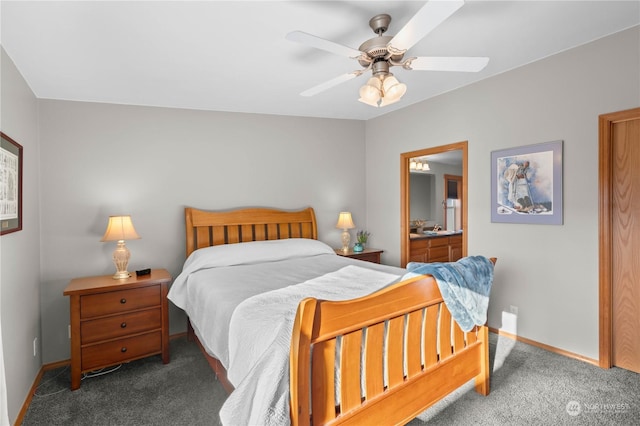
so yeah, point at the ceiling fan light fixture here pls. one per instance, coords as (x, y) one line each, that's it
(393, 89)
(371, 92)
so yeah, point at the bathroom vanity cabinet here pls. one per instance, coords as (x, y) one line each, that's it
(435, 248)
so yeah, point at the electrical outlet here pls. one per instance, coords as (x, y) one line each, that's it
(35, 346)
(513, 310)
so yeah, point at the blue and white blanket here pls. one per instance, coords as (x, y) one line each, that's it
(465, 286)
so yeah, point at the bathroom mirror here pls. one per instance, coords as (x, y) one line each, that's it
(433, 192)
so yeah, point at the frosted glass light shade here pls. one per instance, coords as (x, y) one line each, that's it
(393, 90)
(370, 93)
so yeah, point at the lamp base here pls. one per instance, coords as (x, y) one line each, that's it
(121, 259)
(121, 275)
(346, 239)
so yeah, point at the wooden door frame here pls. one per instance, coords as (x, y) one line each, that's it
(605, 237)
(404, 194)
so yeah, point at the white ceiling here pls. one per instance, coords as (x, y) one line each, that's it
(233, 56)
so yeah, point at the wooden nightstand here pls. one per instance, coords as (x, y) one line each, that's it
(369, 255)
(117, 321)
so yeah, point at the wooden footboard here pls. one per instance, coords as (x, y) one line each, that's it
(399, 352)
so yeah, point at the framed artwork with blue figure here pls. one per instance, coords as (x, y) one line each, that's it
(526, 184)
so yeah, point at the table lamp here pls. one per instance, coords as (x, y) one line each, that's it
(345, 223)
(120, 228)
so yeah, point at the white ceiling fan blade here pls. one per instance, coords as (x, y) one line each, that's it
(322, 44)
(432, 14)
(329, 84)
(443, 63)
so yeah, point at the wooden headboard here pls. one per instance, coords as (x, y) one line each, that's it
(211, 228)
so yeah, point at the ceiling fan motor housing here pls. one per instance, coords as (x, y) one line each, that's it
(377, 48)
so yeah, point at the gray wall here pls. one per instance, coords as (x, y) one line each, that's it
(102, 159)
(20, 251)
(556, 98)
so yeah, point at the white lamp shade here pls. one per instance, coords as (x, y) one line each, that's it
(345, 221)
(120, 228)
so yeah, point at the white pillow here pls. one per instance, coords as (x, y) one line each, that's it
(254, 252)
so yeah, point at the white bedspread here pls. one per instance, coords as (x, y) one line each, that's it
(260, 337)
(215, 280)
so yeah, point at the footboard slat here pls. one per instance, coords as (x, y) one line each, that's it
(458, 338)
(350, 370)
(323, 382)
(395, 334)
(445, 332)
(471, 335)
(430, 336)
(374, 346)
(413, 339)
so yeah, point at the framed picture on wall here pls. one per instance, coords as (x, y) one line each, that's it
(526, 184)
(10, 185)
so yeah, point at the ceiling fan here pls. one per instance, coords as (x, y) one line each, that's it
(379, 54)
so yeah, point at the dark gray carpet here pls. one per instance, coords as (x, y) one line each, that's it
(530, 386)
(143, 392)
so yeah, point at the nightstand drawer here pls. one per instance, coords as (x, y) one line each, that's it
(368, 257)
(109, 353)
(120, 325)
(368, 254)
(114, 302)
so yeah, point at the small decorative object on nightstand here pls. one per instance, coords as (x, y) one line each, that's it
(361, 237)
(369, 255)
(117, 321)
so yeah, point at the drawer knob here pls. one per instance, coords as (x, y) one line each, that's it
(123, 350)
(123, 325)
(123, 300)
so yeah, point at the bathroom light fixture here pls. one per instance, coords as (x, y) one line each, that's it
(120, 228)
(418, 165)
(345, 223)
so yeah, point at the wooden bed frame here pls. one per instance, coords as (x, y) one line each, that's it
(414, 352)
